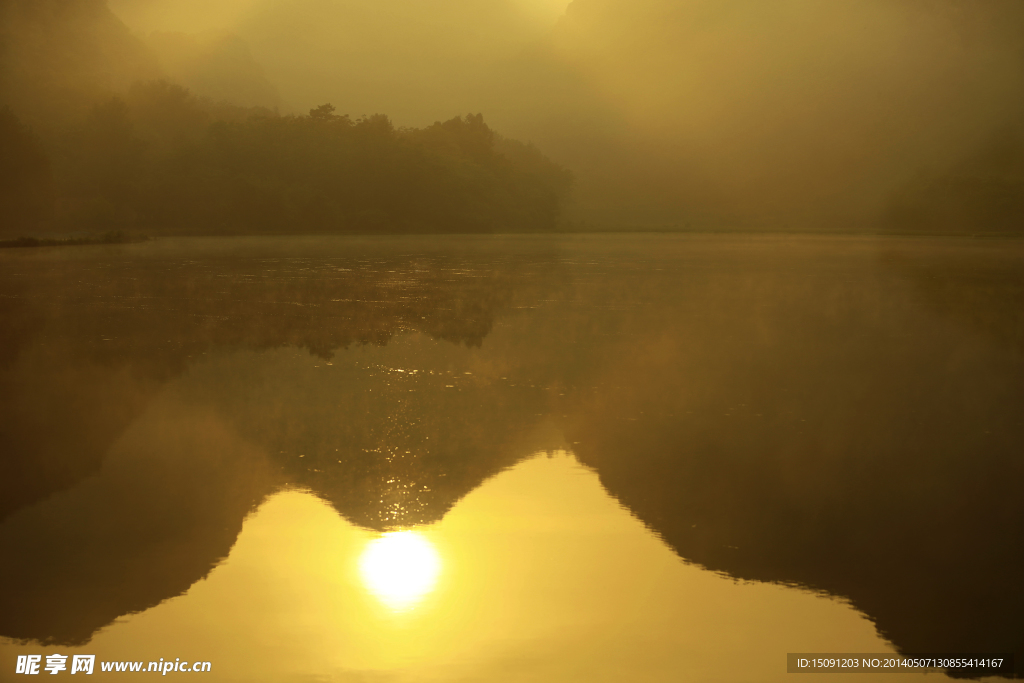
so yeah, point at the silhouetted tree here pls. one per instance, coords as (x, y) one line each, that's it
(167, 161)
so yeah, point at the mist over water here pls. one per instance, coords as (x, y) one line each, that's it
(827, 414)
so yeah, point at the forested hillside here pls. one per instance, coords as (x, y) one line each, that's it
(95, 139)
(163, 161)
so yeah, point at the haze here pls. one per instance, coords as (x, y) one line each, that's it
(896, 115)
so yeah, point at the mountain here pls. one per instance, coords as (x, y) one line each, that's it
(791, 114)
(61, 57)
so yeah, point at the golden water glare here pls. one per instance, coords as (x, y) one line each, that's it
(400, 568)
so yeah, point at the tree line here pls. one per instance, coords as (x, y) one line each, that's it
(163, 161)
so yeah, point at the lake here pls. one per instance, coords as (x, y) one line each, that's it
(524, 458)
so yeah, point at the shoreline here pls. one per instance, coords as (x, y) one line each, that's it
(116, 237)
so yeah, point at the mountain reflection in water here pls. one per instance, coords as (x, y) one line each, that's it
(839, 414)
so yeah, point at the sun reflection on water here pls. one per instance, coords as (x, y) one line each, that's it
(400, 568)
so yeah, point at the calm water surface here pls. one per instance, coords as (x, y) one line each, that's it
(511, 459)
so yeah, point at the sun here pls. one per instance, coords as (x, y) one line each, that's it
(400, 568)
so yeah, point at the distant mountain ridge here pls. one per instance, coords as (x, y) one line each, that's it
(123, 148)
(791, 115)
(61, 57)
